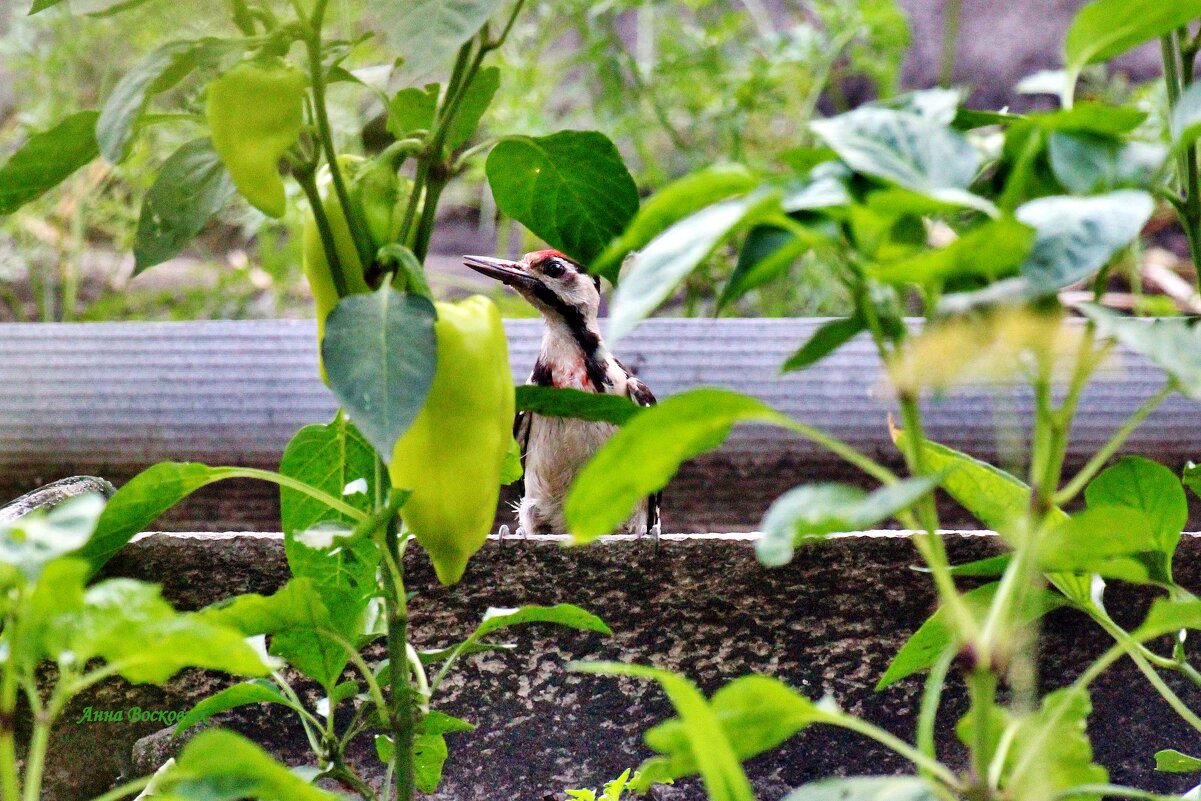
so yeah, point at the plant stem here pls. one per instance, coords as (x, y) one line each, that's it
(896, 744)
(308, 184)
(35, 760)
(931, 699)
(10, 789)
(1178, 65)
(1098, 460)
(401, 709)
(982, 688)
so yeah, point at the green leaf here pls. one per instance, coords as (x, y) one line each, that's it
(476, 99)
(379, 353)
(865, 788)
(1170, 760)
(756, 714)
(988, 567)
(679, 199)
(31, 542)
(574, 403)
(1052, 749)
(1078, 236)
(644, 454)
(1085, 164)
(1149, 487)
(993, 250)
(831, 336)
(1098, 119)
(429, 755)
(1173, 344)
(936, 635)
(158, 72)
(223, 766)
(909, 150)
(1168, 616)
(714, 755)
(570, 188)
(412, 110)
(663, 264)
(140, 502)
(426, 32)
(1108, 28)
(767, 253)
(1186, 117)
(812, 512)
(567, 615)
(128, 624)
(258, 691)
(436, 722)
(47, 159)
(1112, 541)
(333, 458)
(49, 616)
(191, 187)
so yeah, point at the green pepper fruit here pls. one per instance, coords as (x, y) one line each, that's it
(452, 455)
(373, 201)
(255, 112)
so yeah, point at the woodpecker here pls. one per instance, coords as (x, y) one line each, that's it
(573, 356)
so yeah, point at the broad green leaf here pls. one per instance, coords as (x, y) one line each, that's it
(429, 755)
(1087, 164)
(714, 754)
(337, 460)
(1139, 483)
(570, 188)
(812, 512)
(935, 636)
(993, 250)
(568, 615)
(831, 336)
(1186, 117)
(767, 253)
(1051, 752)
(865, 788)
(436, 722)
(1078, 236)
(31, 542)
(645, 453)
(223, 766)
(296, 615)
(158, 72)
(1168, 616)
(191, 187)
(412, 109)
(257, 691)
(426, 32)
(902, 148)
(1170, 760)
(756, 714)
(669, 205)
(379, 353)
(1116, 542)
(49, 614)
(658, 270)
(1174, 344)
(1108, 28)
(475, 102)
(556, 402)
(825, 187)
(140, 502)
(47, 159)
(128, 624)
(1098, 119)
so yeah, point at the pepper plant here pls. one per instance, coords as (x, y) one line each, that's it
(422, 441)
(979, 220)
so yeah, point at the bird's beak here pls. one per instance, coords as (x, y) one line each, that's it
(510, 273)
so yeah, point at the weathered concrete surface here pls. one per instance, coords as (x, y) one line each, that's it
(827, 623)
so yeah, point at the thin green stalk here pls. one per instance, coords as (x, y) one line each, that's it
(127, 789)
(1098, 460)
(982, 689)
(373, 688)
(896, 744)
(931, 700)
(10, 788)
(35, 759)
(308, 184)
(1178, 65)
(401, 710)
(333, 503)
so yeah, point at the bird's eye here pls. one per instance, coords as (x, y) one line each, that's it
(553, 268)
